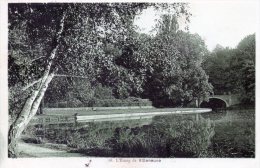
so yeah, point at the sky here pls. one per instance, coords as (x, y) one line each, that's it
(224, 23)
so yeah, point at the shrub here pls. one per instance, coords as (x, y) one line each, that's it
(74, 140)
(122, 102)
(102, 92)
(33, 134)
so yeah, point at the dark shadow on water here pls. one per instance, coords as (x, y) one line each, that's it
(214, 103)
(216, 114)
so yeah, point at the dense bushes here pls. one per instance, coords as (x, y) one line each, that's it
(83, 94)
(101, 103)
(122, 102)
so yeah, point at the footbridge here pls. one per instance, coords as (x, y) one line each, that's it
(221, 101)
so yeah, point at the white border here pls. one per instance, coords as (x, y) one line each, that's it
(104, 162)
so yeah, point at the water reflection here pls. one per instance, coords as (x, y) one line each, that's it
(185, 135)
(234, 133)
(216, 114)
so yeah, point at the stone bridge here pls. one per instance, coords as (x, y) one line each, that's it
(220, 101)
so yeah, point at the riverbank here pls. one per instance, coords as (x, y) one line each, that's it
(228, 134)
(29, 150)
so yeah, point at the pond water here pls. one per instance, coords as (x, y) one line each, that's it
(226, 133)
(234, 133)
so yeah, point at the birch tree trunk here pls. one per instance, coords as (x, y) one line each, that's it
(33, 101)
(29, 110)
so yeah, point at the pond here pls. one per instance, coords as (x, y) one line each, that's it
(226, 133)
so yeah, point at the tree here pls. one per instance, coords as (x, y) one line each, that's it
(30, 68)
(217, 66)
(48, 24)
(243, 69)
(127, 66)
(168, 65)
(48, 39)
(233, 70)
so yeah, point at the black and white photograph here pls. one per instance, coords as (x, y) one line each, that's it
(130, 82)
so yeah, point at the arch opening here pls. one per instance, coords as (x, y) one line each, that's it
(214, 104)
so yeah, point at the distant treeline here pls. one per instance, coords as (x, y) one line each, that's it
(233, 70)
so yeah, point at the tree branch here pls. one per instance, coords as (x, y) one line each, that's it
(30, 61)
(31, 84)
(72, 76)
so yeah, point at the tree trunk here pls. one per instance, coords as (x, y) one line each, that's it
(19, 124)
(30, 108)
(33, 101)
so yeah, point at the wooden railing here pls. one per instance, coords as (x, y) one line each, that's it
(52, 120)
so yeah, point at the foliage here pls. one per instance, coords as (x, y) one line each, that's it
(171, 62)
(33, 31)
(74, 103)
(102, 92)
(121, 102)
(233, 70)
(217, 66)
(245, 58)
(46, 39)
(97, 42)
(94, 35)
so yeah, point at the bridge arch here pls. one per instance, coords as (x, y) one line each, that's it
(214, 103)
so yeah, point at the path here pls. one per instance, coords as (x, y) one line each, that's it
(34, 150)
